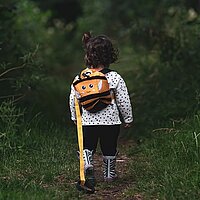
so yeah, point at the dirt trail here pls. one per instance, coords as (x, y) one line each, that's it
(114, 190)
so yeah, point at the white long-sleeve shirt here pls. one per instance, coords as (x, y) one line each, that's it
(109, 115)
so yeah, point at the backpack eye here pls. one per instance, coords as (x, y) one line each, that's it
(91, 86)
(83, 87)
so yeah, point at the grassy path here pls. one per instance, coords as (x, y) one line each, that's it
(47, 168)
(114, 190)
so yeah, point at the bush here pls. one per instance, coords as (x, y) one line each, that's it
(34, 56)
(23, 29)
(167, 78)
(13, 131)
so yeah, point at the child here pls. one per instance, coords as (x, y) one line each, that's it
(103, 125)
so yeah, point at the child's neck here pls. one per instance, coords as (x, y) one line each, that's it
(99, 67)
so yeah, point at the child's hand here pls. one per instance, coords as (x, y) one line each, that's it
(127, 125)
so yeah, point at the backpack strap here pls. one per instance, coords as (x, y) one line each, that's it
(80, 141)
(105, 70)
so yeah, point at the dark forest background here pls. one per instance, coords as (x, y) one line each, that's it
(41, 52)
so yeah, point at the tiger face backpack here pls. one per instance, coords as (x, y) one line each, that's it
(92, 90)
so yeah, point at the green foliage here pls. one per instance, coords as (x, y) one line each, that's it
(168, 165)
(169, 84)
(158, 43)
(21, 24)
(54, 100)
(159, 55)
(13, 133)
(92, 14)
(33, 55)
(20, 67)
(45, 170)
(65, 10)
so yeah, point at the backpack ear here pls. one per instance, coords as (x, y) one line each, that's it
(100, 85)
(86, 37)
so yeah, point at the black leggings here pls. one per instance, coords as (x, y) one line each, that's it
(107, 134)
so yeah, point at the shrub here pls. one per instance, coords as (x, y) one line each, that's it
(13, 131)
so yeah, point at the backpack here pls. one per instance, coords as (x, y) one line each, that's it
(92, 90)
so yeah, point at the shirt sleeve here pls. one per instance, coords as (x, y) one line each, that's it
(72, 103)
(123, 101)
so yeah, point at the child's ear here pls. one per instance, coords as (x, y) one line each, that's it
(86, 37)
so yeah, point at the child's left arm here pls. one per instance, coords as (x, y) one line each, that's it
(123, 102)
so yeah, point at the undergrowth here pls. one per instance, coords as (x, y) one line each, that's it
(36, 161)
(46, 169)
(168, 165)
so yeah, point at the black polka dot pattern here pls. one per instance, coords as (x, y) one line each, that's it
(110, 115)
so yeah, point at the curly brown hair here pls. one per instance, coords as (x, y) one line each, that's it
(99, 50)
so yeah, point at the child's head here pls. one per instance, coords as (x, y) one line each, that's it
(99, 51)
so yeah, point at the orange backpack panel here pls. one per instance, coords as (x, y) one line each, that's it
(93, 91)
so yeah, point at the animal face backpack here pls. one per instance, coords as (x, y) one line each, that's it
(92, 90)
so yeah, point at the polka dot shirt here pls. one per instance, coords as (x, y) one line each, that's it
(120, 110)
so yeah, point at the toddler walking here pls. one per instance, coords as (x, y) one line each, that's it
(102, 125)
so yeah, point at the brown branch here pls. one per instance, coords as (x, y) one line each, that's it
(11, 69)
(164, 130)
(9, 96)
(7, 79)
(22, 96)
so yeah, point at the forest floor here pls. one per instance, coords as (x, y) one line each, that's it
(46, 167)
(49, 170)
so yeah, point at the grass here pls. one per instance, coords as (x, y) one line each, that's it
(168, 165)
(45, 169)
